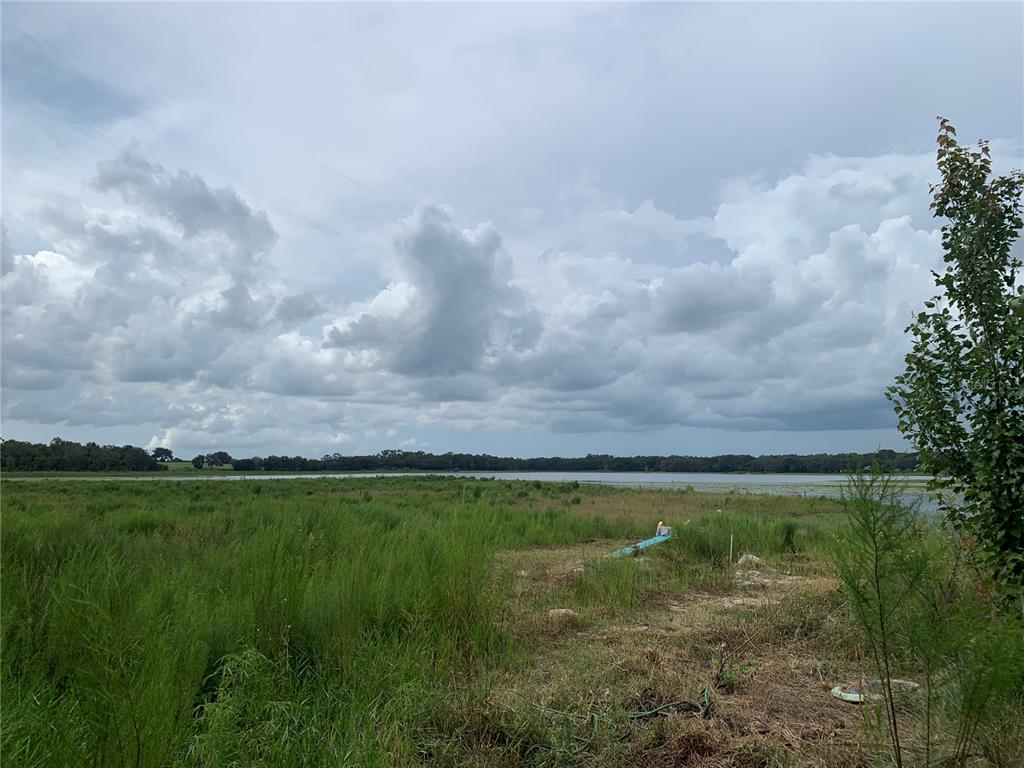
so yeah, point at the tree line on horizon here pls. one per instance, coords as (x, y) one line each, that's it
(419, 460)
(67, 456)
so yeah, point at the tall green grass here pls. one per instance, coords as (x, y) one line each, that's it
(706, 538)
(307, 622)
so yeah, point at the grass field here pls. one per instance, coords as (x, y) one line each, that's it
(407, 621)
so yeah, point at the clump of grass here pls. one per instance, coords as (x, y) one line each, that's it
(707, 537)
(699, 549)
(614, 584)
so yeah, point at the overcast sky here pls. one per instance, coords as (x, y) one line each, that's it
(521, 229)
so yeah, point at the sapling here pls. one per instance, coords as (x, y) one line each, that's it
(880, 568)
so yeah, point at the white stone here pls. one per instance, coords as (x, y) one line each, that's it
(749, 561)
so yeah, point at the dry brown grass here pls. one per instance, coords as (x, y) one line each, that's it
(772, 708)
(677, 505)
(543, 569)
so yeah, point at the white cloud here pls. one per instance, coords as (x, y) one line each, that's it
(454, 306)
(169, 313)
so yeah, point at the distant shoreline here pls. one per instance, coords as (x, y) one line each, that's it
(215, 474)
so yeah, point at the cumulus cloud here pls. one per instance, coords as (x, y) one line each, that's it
(186, 199)
(169, 285)
(799, 323)
(161, 308)
(454, 305)
(791, 322)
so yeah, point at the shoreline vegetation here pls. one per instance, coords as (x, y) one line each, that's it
(63, 456)
(444, 621)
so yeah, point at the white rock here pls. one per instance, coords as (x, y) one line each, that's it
(749, 561)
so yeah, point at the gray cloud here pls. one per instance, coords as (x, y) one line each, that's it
(176, 289)
(454, 305)
(797, 326)
(706, 296)
(626, 262)
(188, 201)
(293, 310)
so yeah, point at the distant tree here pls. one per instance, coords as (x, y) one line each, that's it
(961, 398)
(163, 454)
(67, 456)
(218, 459)
(61, 454)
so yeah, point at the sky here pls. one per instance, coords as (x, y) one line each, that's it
(521, 229)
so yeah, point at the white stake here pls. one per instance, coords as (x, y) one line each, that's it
(730, 549)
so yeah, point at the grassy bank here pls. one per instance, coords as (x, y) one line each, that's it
(407, 621)
(158, 622)
(300, 622)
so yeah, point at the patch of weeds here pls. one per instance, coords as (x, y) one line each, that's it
(788, 529)
(466, 729)
(613, 584)
(805, 615)
(733, 676)
(674, 742)
(759, 753)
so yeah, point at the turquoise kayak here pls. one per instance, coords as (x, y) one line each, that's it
(633, 548)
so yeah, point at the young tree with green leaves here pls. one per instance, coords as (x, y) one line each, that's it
(961, 398)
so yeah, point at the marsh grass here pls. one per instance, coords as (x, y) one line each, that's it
(215, 624)
(371, 621)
